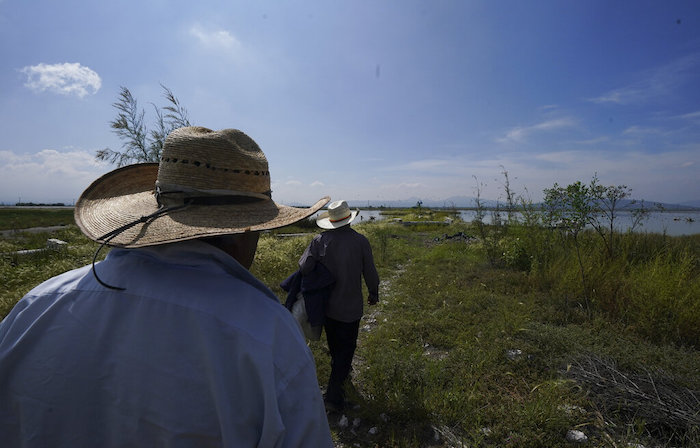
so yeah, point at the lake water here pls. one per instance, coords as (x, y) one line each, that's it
(673, 223)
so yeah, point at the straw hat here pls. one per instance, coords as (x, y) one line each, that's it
(207, 183)
(338, 215)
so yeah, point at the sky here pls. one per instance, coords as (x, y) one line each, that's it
(365, 100)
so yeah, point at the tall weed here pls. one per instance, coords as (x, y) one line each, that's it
(652, 284)
(663, 299)
(277, 258)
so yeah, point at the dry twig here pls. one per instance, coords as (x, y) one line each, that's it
(664, 406)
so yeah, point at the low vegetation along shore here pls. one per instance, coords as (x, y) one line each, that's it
(513, 334)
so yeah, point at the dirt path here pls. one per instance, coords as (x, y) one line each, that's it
(355, 431)
(372, 318)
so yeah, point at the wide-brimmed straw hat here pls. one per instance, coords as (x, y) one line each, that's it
(207, 183)
(338, 215)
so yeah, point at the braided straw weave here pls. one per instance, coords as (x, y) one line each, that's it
(208, 160)
(193, 159)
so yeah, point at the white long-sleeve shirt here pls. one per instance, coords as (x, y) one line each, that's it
(195, 352)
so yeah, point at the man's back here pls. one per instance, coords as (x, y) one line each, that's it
(196, 352)
(348, 256)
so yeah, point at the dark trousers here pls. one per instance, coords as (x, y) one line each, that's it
(342, 341)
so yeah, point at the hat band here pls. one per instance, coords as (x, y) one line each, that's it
(341, 219)
(170, 194)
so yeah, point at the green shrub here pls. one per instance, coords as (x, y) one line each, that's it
(515, 253)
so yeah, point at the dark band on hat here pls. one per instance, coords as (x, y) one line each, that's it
(341, 219)
(213, 168)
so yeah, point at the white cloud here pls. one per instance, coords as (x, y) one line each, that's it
(519, 133)
(593, 141)
(560, 157)
(294, 183)
(215, 39)
(316, 183)
(420, 165)
(693, 116)
(640, 130)
(47, 176)
(654, 83)
(619, 96)
(64, 79)
(667, 177)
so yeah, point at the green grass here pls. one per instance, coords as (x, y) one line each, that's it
(23, 218)
(20, 273)
(495, 343)
(436, 360)
(651, 285)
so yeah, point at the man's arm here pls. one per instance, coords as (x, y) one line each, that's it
(369, 272)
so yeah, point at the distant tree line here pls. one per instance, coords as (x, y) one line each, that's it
(39, 204)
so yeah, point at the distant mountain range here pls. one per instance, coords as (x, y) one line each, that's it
(691, 203)
(470, 202)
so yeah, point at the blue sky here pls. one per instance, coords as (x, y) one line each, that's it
(366, 99)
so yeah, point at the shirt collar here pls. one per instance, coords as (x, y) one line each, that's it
(197, 253)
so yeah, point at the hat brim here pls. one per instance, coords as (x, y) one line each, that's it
(126, 194)
(324, 221)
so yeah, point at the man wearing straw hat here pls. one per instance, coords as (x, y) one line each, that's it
(348, 256)
(169, 341)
